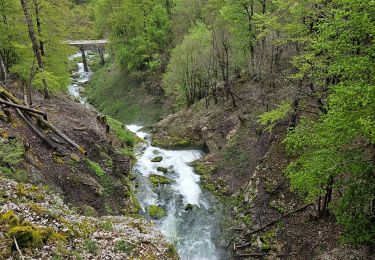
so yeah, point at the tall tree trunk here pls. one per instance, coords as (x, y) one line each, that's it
(39, 26)
(34, 43)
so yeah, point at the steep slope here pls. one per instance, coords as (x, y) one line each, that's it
(51, 207)
(98, 182)
(244, 166)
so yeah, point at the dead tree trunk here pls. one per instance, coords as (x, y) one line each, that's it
(3, 71)
(34, 43)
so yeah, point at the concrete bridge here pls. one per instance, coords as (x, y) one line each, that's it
(85, 45)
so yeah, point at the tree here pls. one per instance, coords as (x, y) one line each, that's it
(139, 31)
(35, 45)
(336, 152)
(187, 77)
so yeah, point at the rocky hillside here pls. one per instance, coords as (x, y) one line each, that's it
(53, 194)
(42, 226)
(244, 166)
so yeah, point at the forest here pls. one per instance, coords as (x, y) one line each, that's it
(311, 64)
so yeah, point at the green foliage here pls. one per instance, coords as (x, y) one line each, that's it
(126, 136)
(123, 246)
(125, 96)
(96, 168)
(91, 246)
(51, 31)
(187, 76)
(270, 118)
(139, 31)
(11, 152)
(339, 145)
(156, 212)
(104, 179)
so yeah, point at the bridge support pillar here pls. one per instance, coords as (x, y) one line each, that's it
(101, 53)
(84, 61)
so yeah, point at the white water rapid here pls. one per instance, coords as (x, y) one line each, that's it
(191, 221)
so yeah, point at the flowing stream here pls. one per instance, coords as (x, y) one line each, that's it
(192, 215)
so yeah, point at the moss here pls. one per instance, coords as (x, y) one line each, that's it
(74, 158)
(205, 172)
(122, 133)
(124, 246)
(107, 225)
(9, 218)
(156, 212)
(108, 163)
(18, 175)
(29, 236)
(104, 179)
(21, 190)
(157, 159)
(247, 220)
(268, 240)
(94, 166)
(57, 238)
(11, 152)
(158, 180)
(91, 246)
(278, 205)
(37, 209)
(89, 211)
(171, 252)
(58, 159)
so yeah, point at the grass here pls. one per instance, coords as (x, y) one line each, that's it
(11, 152)
(125, 96)
(103, 177)
(121, 132)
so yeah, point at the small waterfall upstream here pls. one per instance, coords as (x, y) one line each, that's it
(192, 219)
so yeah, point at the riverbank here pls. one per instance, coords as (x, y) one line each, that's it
(90, 182)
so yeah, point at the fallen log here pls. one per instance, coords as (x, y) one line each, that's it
(270, 224)
(23, 108)
(63, 136)
(79, 128)
(9, 96)
(36, 130)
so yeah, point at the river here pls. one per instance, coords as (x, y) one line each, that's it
(192, 215)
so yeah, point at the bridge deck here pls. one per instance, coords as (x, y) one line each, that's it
(86, 44)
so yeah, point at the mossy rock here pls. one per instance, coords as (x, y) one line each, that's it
(157, 159)
(158, 180)
(162, 169)
(29, 236)
(156, 212)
